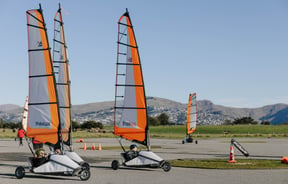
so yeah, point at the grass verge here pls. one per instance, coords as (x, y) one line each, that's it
(224, 164)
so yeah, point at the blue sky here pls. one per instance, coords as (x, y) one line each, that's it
(234, 53)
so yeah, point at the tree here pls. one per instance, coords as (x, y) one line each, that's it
(244, 120)
(75, 124)
(1, 123)
(227, 122)
(163, 119)
(265, 123)
(153, 121)
(92, 124)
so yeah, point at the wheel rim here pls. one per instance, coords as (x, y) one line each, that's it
(85, 175)
(166, 167)
(19, 172)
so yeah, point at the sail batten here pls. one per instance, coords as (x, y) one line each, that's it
(128, 45)
(130, 111)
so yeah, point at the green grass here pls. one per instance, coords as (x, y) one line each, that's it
(221, 131)
(224, 164)
(178, 132)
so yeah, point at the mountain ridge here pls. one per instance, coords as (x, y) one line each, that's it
(208, 112)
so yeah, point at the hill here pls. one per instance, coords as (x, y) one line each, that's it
(208, 113)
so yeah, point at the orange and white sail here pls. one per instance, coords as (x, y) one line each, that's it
(43, 113)
(61, 64)
(191, 114)
(24, 115)
(130, 116)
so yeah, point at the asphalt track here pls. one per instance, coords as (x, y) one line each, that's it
(11, 156)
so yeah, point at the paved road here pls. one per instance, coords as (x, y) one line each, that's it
(11, 156)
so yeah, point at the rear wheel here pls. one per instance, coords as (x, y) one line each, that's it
(85, 165)
(115, 164)
(166, 166)
(85, 175)
(20, 172)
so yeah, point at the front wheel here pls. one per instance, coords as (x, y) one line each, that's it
(85, 165)
(20, 172)
(115, 164)
(85, 175)
(166, 166)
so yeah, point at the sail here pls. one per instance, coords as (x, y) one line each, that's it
(130, 100)
(60, 61)
(24, 115)
(43, 113)
(191, 114)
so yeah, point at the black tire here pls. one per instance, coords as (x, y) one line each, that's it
(20, 172)
(166, 166)
(85, 165)
(85, 175)
(196, 142)
(115, 164)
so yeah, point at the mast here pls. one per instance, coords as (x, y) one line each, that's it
(130, 98)
(61, 62)
(43, 113)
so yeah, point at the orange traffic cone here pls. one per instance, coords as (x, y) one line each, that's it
(99, 147)
(232, 157)
(85, 148)
(93, 147)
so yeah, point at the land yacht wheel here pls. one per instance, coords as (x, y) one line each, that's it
(115, 164)
(20, 172)
(85, 175)
(85, 165)
(166, 166)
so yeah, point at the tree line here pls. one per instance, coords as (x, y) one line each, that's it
(162, 119)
